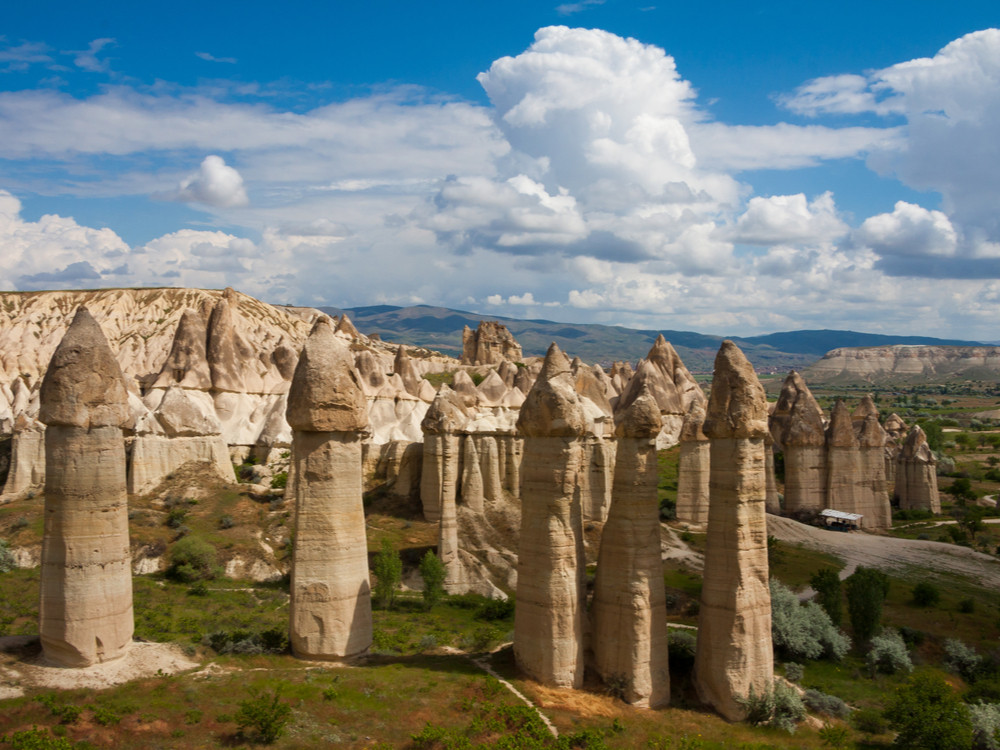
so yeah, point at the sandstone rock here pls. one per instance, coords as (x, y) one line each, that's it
(346, 327)
(549, 618)
(225, 349)
(330, 607)
(489, 344)
(871, 442)
(693, 468)
(472, 477)
(187, 362)
(734, 650)
(916, 475)
(845, 481)
(803, 438)
(489, 461)
(27, 459)
(597, 477)
(85, 611)
(465, 388)
(439, 476)
(507, 373)
(491, 391)
(403, 367)
(403, 464)
(370, 372)
(629, 606)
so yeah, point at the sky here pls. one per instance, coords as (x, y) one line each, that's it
(731, 168)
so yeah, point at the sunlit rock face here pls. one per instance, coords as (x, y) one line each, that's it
(797, 426)
(85, 610)
(490, 344)
(693, 468)
(734, 651)
(330, 607)
(629, 608)
(549, 618)
(916, 474)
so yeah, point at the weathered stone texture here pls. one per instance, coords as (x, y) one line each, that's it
(490, 344)
(693, 468)
(916, 474)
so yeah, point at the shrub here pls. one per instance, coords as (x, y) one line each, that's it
(175, 517)
(834, 736)
(6, 557)
(822, 703)
(794, 672)
(866, 592)
(778, 707)
(869, 720)
(926, 713)
(926, 594)
(963, 660)
(433, 572)
(887, 654)
(388, 570)
(826, 584)
(279, 481)
(803, 630)
(495, 609)
(226, 522)
(192, 559)
(36, 739)
(967, 606)
(265, 714)
(985, 726)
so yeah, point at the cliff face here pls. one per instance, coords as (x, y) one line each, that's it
(901, 363)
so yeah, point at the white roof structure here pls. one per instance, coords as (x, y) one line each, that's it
(840, 515)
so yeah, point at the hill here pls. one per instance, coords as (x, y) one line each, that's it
(440, 328)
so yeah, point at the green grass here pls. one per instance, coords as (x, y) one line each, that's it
(794, 564)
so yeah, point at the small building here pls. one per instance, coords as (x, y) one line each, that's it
(840, 521)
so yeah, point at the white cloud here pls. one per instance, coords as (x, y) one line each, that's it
(215, 184)
(88, 60)
(524, 299)
(785, 219)
(909, 230)
(23, 55)
(209, 57)
(568, 9)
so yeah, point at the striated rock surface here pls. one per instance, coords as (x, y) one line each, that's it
(549, 618)
(85, 610)
(330, 607)
(901, 363)
(798, 420)
(734, 650)
(472, 476)
(846, 485)
(693, 468)
(187, 363)
(916, 474)
(27, 459)
(490, 344)
(439, 477)
(871, 443)
(629, 605)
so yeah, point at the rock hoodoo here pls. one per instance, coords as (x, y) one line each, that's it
(845, 481)
(629, 605)
(872, 441)
(693, 468)
(802, 435)
(916, 474)
(549, 618)
(439, 478)
(330, 608)
(85, 610)
(490, 344)
(734, 651)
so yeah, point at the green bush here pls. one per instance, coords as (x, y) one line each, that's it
(926, 594)
(822, 703)
(794, 672)
(265, 714)
(192, 559)
(388, 570)
(867, 589)
(835, 736)
(36, 739)
(279, 481)
(963, 660)
(780, 706)
(887, 654)
(6, 557)
(926, 714)
(869, 721)
(433, 572)
(495, 609)
(803, 630)
(985, 726)
(826, 584)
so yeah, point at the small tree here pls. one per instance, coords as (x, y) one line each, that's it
(926, 713)
(866, 592)
(388, 570)
(265, 714)
(433, 572)
(826, 584)
(192, 559)
(926, 594)
(888, 654)
(972, 521)
(803, 630)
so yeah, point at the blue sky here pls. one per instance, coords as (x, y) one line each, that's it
(731, 168)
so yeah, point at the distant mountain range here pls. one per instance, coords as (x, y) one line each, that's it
(440, 328)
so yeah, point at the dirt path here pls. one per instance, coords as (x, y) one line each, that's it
(891, 554)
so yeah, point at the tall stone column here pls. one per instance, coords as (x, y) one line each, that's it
(490, 468)
(439, 480)
(693, 468)
(871, 442)
(803, 439)
(734, 651)
(916, 474)
(629, 610)
(772, 502)
(548, 620)
(330, 608)
(845, 483)
(472, 476)
(85, 608)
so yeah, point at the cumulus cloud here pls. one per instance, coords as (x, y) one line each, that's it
(785, 219)
(21, 56)
(88, 59)
(215, 184)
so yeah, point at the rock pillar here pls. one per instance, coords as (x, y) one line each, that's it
(629, 611)
(734, 651)
(439, 474)
(85, 609)
(490, 467)
(871, 442)
(693, 468)
(804, 441)
(845, 482)
(330, 608)
(916, 474)
(548, 620)
(472, 476)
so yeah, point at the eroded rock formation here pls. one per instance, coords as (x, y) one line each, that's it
(871, 443)
(798, 420)
(442, 442)
(490, 344)
(845, 480)
(916, 474)
(85, 610)
(629, 605)
(693, 468)
(330, 607)
(734, 651)
(549, 618)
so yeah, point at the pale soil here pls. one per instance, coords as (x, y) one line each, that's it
(18, 671)
(890, 554)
